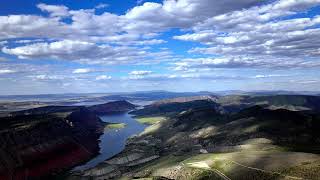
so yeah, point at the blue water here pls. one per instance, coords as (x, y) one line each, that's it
(113, 141)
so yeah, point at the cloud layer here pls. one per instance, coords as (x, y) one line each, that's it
(187, 40)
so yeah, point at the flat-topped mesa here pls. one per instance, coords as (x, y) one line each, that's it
(112, 107)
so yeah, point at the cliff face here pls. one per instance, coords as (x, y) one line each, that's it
(41, 144)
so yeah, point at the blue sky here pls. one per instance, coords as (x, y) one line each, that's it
(67, 46)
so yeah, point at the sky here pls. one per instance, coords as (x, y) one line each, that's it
(89, 46)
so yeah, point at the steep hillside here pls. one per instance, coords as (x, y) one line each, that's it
(41, 144)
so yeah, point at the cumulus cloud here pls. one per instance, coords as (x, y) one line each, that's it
(53, 10)
(234, 36)
(144, 19)
(82, 51)
(65, 49)
(26, 26)
(180, 13)
(244, 27)
(85, 25)
(262, 34)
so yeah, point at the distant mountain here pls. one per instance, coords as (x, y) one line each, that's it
(45, 110)
(43, 97)
(112, 107)
(235, 103)
(264, 92)
(152, 95)
(231, 103)
(21, 102)
(175, 106)
(184, 99)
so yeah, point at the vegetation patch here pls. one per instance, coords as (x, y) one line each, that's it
(150, 120)
(116, 125)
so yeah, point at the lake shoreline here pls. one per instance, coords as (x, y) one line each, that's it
(113, 140)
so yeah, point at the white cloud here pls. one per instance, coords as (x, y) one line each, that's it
(103, 77)
(268, 76)
(184, 76)
(135, 75)
(65, 49)
(85, 52)
(244, 62)
(6, 71)
(146, 42)
(81, 71)
(3, 43)
(135, 28)
(29, 41)
(46, 77)
(234, 36)
(53, 10)
(86, 25)
(180, 14)
(140, 73)
(260, 36)
(26, 26)
(101, 6)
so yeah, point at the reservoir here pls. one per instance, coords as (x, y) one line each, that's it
(113, 141)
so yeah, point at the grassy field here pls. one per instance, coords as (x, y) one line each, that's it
(253, 164)
(250, 165)
(150, 120)
(116, 125)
